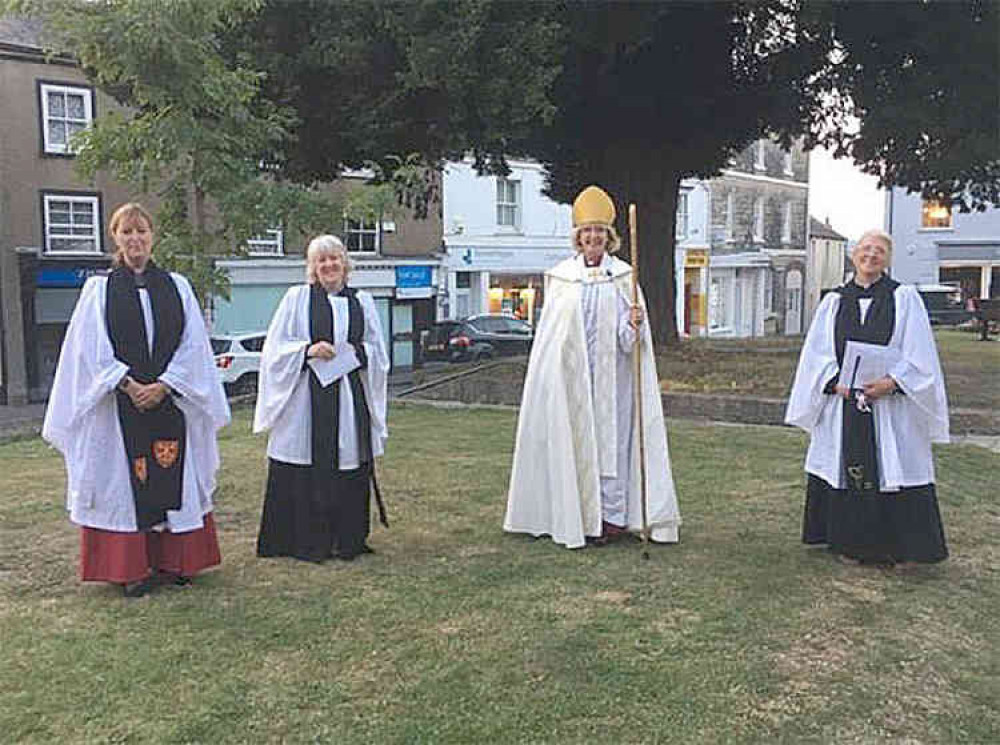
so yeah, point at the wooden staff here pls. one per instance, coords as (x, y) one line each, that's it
(637, 381)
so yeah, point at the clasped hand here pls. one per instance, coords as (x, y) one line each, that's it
(322, 349)
(873, 391)
(146, 397)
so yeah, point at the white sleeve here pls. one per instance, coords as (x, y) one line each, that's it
(817, 364)
(87, 370)
(281, 359)
(376, 375)
(191, 372)
(918, 372)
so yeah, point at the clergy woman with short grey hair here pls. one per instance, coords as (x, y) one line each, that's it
(322, 398)
(870, 392)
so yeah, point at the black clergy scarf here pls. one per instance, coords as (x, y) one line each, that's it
(155, 440)
(860, 454)
(325, 402)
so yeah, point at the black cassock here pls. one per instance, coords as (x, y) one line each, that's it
(315, 512)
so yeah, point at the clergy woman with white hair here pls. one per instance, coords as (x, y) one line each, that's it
(576, 470)
(322, 398)
(134, 409)
(870, 392)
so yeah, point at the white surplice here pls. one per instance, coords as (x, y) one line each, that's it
(284, 403)
(576, 458)
(905, 425)
(81, 419)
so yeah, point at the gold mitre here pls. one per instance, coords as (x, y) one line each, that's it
(593, 205)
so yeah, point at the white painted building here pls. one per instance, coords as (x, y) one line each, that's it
(500, 234)
(934, 244)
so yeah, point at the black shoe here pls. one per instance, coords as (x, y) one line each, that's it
(136, 589)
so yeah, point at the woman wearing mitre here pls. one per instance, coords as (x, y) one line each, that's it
(576, 470)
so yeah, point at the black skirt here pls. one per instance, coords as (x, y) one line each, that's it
(314, 516)
(875, 527)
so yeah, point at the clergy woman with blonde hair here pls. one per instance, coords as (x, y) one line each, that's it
(870, 393)
(134, 409)
(322, 398)
(576, 470)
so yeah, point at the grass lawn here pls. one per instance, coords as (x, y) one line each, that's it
(766, 367)
(457, 633)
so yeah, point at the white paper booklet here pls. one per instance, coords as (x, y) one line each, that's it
(344, 360)
(866, 363)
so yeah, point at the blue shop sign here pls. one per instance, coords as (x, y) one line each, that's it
(75, 276)
(413, 276)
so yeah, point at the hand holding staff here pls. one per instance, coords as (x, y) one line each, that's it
(636, 318)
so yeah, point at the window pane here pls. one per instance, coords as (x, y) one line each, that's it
(83, 212)
(57, 105)
(75, 107)
(73, 127)
(57, 132)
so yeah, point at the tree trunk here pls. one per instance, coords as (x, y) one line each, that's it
(654, 193)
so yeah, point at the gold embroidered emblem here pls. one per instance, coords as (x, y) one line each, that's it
(139, 466)
(857, 474)
(165, 452)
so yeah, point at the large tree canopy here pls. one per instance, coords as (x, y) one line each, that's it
(637, 95)
(630, 95)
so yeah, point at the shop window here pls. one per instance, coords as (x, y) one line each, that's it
(935, 215)
(508, 203)
(361, 235)
(66, 110)
(71, 223)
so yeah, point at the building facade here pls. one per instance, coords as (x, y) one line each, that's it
(935, 244)
(395, 257)
(500, 235)
(825, 264)
(758, 237)
(52, 234)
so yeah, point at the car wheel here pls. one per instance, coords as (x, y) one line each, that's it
(483, 355)
(246, 385)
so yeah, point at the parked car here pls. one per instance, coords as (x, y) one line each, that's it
(478, 338)
(435, 340)
(944, 304)
(237, 357)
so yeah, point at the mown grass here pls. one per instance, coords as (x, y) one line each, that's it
(457, 633)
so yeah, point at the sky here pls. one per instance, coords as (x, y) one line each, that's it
(840, 192)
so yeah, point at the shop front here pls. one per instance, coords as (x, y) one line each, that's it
(508, 280)
(50, 289)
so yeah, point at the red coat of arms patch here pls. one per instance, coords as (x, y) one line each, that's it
(166, 452)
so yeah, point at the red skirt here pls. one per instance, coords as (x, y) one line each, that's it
(110, 556)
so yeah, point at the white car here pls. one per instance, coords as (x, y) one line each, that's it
(237, 357)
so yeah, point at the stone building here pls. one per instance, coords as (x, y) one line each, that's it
(758, 235)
